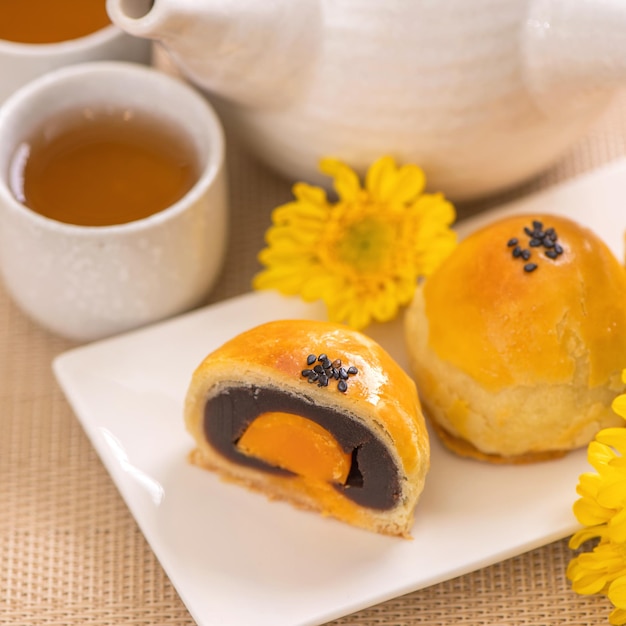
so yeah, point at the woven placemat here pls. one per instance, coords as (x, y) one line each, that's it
(71, 553)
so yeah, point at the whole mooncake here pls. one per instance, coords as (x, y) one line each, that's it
(315, 414)
(518, 340)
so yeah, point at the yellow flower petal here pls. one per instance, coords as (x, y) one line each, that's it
(310, 194)
(384, 308)
(613, 437)
(434, 212)
(585, 534)
(386, 183)
(359, 317)
(619, 405)
(616, 528)
(350, 309)
(377, 174)
(599, 455)
(289, 253)
(612, 493)
(405, 289)
(346, 182)
(588, 484)
(617, 617)
(585, 581)
(429, 259)
(312, 214)
(590, 513)
(286, 282)
(617, 592)
(316, 286)
(301, 236)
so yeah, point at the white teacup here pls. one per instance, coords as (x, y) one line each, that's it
(88, 282)
(23, 62)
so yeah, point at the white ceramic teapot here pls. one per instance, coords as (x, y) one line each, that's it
(483, 94)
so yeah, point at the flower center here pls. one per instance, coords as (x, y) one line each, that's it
(366, 245)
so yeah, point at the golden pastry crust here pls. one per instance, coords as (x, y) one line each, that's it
(462, 447)
(381, 397)
(521, 365)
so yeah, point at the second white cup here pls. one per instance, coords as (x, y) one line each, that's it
(23, 62)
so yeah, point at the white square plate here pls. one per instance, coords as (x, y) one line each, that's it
(237, 559)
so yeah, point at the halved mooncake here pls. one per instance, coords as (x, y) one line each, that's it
(315, 414)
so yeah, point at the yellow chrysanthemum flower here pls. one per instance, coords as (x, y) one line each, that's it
(601, 508)
(363, 254)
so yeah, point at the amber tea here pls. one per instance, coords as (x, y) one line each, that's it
(50, 21)
(97, 167)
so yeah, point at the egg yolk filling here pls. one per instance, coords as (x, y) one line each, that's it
(297, 444)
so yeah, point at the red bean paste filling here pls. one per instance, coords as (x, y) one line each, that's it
(373, 480)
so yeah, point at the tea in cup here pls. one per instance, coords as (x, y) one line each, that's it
(113, 209)
(37, 36)
(102, 165)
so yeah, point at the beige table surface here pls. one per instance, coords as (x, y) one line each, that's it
(71, 553)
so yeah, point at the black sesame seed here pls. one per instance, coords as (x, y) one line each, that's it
(327, 370)
(534, 242)
(551, 254)
(558, 248)
(547, 242)
(528, 231)
(530, 267)
(537, 225)
(550, 232)
(517, 251)
(525, 254)
(512, 242)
